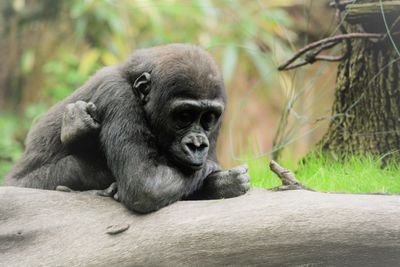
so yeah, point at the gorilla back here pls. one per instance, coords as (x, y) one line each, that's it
(147, 127)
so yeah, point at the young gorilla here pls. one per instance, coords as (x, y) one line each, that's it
(150, 125)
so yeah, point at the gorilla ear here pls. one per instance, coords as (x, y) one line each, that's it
(142, 86)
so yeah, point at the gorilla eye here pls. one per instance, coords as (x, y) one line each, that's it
(184, 118)
(209, 119)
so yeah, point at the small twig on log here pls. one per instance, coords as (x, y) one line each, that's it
(289, 181)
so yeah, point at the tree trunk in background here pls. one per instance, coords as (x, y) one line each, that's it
(19, 22)
(366, 111)
(8, 55)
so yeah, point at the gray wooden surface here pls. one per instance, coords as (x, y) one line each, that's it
(261, 228)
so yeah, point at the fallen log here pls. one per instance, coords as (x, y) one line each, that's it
(261, 228)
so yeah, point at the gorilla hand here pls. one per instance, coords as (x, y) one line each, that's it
(78, 121)
(227, 184)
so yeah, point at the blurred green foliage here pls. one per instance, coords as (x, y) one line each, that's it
(13, 130)
(10, 149)
(246, 37)
(86, 35)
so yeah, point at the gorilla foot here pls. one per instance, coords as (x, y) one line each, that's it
(110, 191)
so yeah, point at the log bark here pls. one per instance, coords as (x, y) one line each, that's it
(261, 228)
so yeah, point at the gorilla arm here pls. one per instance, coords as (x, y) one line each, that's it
(146, 184)
(145, 179)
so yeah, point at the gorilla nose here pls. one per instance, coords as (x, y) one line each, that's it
(195, 143)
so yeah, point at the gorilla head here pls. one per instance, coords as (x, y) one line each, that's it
(183, 99)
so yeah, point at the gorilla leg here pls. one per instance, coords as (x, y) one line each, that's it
(81, 166)
(111, 191)
(76, 172)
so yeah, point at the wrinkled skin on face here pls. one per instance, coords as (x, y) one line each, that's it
(192, 122)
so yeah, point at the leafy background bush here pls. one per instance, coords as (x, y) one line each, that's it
(52, 47)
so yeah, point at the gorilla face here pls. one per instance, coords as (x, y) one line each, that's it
(191, 122)
(189, 118)
(183, 99)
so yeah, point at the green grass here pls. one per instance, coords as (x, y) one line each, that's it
(356, 174)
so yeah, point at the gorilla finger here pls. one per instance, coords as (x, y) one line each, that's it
(244, 178)
(63, 188)
(81, 104)
(92, 111)
(102, 193)
(111, 190)
(91, 108)
(88, 120)
(246, 186)
(91, 123)
(116, 197)
(70, 106)
(239, 169)
(70, 111)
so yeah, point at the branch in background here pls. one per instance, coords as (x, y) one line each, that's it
(289, 181)
(326, 43)
(354, 14)
(341, 4)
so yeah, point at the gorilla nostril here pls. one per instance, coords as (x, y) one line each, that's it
(203, 146)
(197, 147)
(191, 147)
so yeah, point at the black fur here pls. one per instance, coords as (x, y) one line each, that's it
(133, 144)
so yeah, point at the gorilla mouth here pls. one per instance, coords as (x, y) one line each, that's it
(188, 163)
(196, 165)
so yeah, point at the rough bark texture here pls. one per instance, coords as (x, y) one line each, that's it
(366, 110)
(261, 228)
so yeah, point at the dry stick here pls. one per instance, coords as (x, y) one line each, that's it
(289, 181)
(327, 43)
